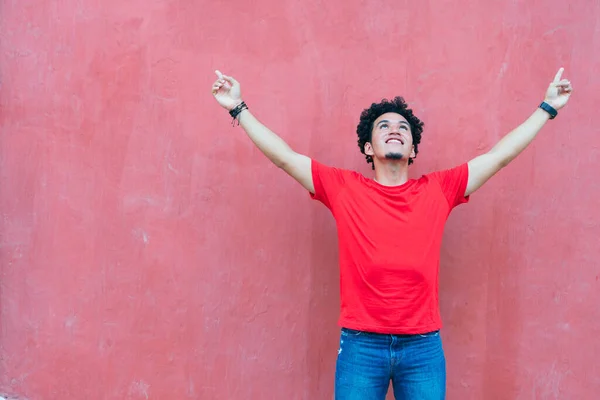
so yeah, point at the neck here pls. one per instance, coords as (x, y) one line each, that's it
(391, 172)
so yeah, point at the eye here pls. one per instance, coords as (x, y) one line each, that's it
(384, 125)
(404, 127)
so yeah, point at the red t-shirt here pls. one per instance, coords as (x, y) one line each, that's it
(389, 245)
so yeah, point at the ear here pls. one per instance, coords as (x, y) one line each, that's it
(412, 152)
(369, 149)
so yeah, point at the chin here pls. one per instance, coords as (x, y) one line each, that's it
(394, 156)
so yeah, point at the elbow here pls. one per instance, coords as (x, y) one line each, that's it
(280, 163)
(504, 162)
(283, 160)
(501, 160)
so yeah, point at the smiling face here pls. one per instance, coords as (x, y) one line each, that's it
(391, 138)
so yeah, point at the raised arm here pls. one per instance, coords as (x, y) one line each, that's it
(227, 92)
(483, 167)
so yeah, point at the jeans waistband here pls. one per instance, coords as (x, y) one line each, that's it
(406, 335)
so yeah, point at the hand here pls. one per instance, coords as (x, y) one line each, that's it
(559, 91)
(227, 91)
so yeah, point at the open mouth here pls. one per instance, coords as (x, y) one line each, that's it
(395, 140)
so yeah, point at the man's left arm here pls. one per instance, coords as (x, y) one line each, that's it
(483, 167)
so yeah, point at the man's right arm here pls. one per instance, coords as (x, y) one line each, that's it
(227, 92)
(296, 165)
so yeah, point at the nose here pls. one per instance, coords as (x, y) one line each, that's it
(394, 128)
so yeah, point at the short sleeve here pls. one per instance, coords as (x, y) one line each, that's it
(453, 183)
(328, 181)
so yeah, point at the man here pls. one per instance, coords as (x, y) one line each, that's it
(390, 231)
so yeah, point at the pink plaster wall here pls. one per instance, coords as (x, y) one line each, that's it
(149, 251)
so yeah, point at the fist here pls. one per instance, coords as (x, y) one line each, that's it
(559, 91)
(226, 91)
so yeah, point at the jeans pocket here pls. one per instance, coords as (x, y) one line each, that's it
(430, 334)
(350, 332)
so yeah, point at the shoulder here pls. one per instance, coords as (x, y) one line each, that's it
(458, 172)
(452, 182)
(323, 169)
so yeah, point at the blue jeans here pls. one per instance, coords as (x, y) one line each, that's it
(367, 362)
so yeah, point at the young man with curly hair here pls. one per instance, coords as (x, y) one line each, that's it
(390, 232)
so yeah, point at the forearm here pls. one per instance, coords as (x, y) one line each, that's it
(483, 167)
(519, 138)
(271, 145)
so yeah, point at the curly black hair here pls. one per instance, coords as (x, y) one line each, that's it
(369, 115)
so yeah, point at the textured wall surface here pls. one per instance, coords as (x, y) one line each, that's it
(149, 251)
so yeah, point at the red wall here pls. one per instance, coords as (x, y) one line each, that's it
(149, 251)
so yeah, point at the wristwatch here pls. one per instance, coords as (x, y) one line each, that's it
(549, 109)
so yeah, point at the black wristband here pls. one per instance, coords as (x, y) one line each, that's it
(549, 109)
(234, 112)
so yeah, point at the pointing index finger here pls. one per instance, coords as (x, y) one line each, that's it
(558, 75)
(229, 79)
(219, 74)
